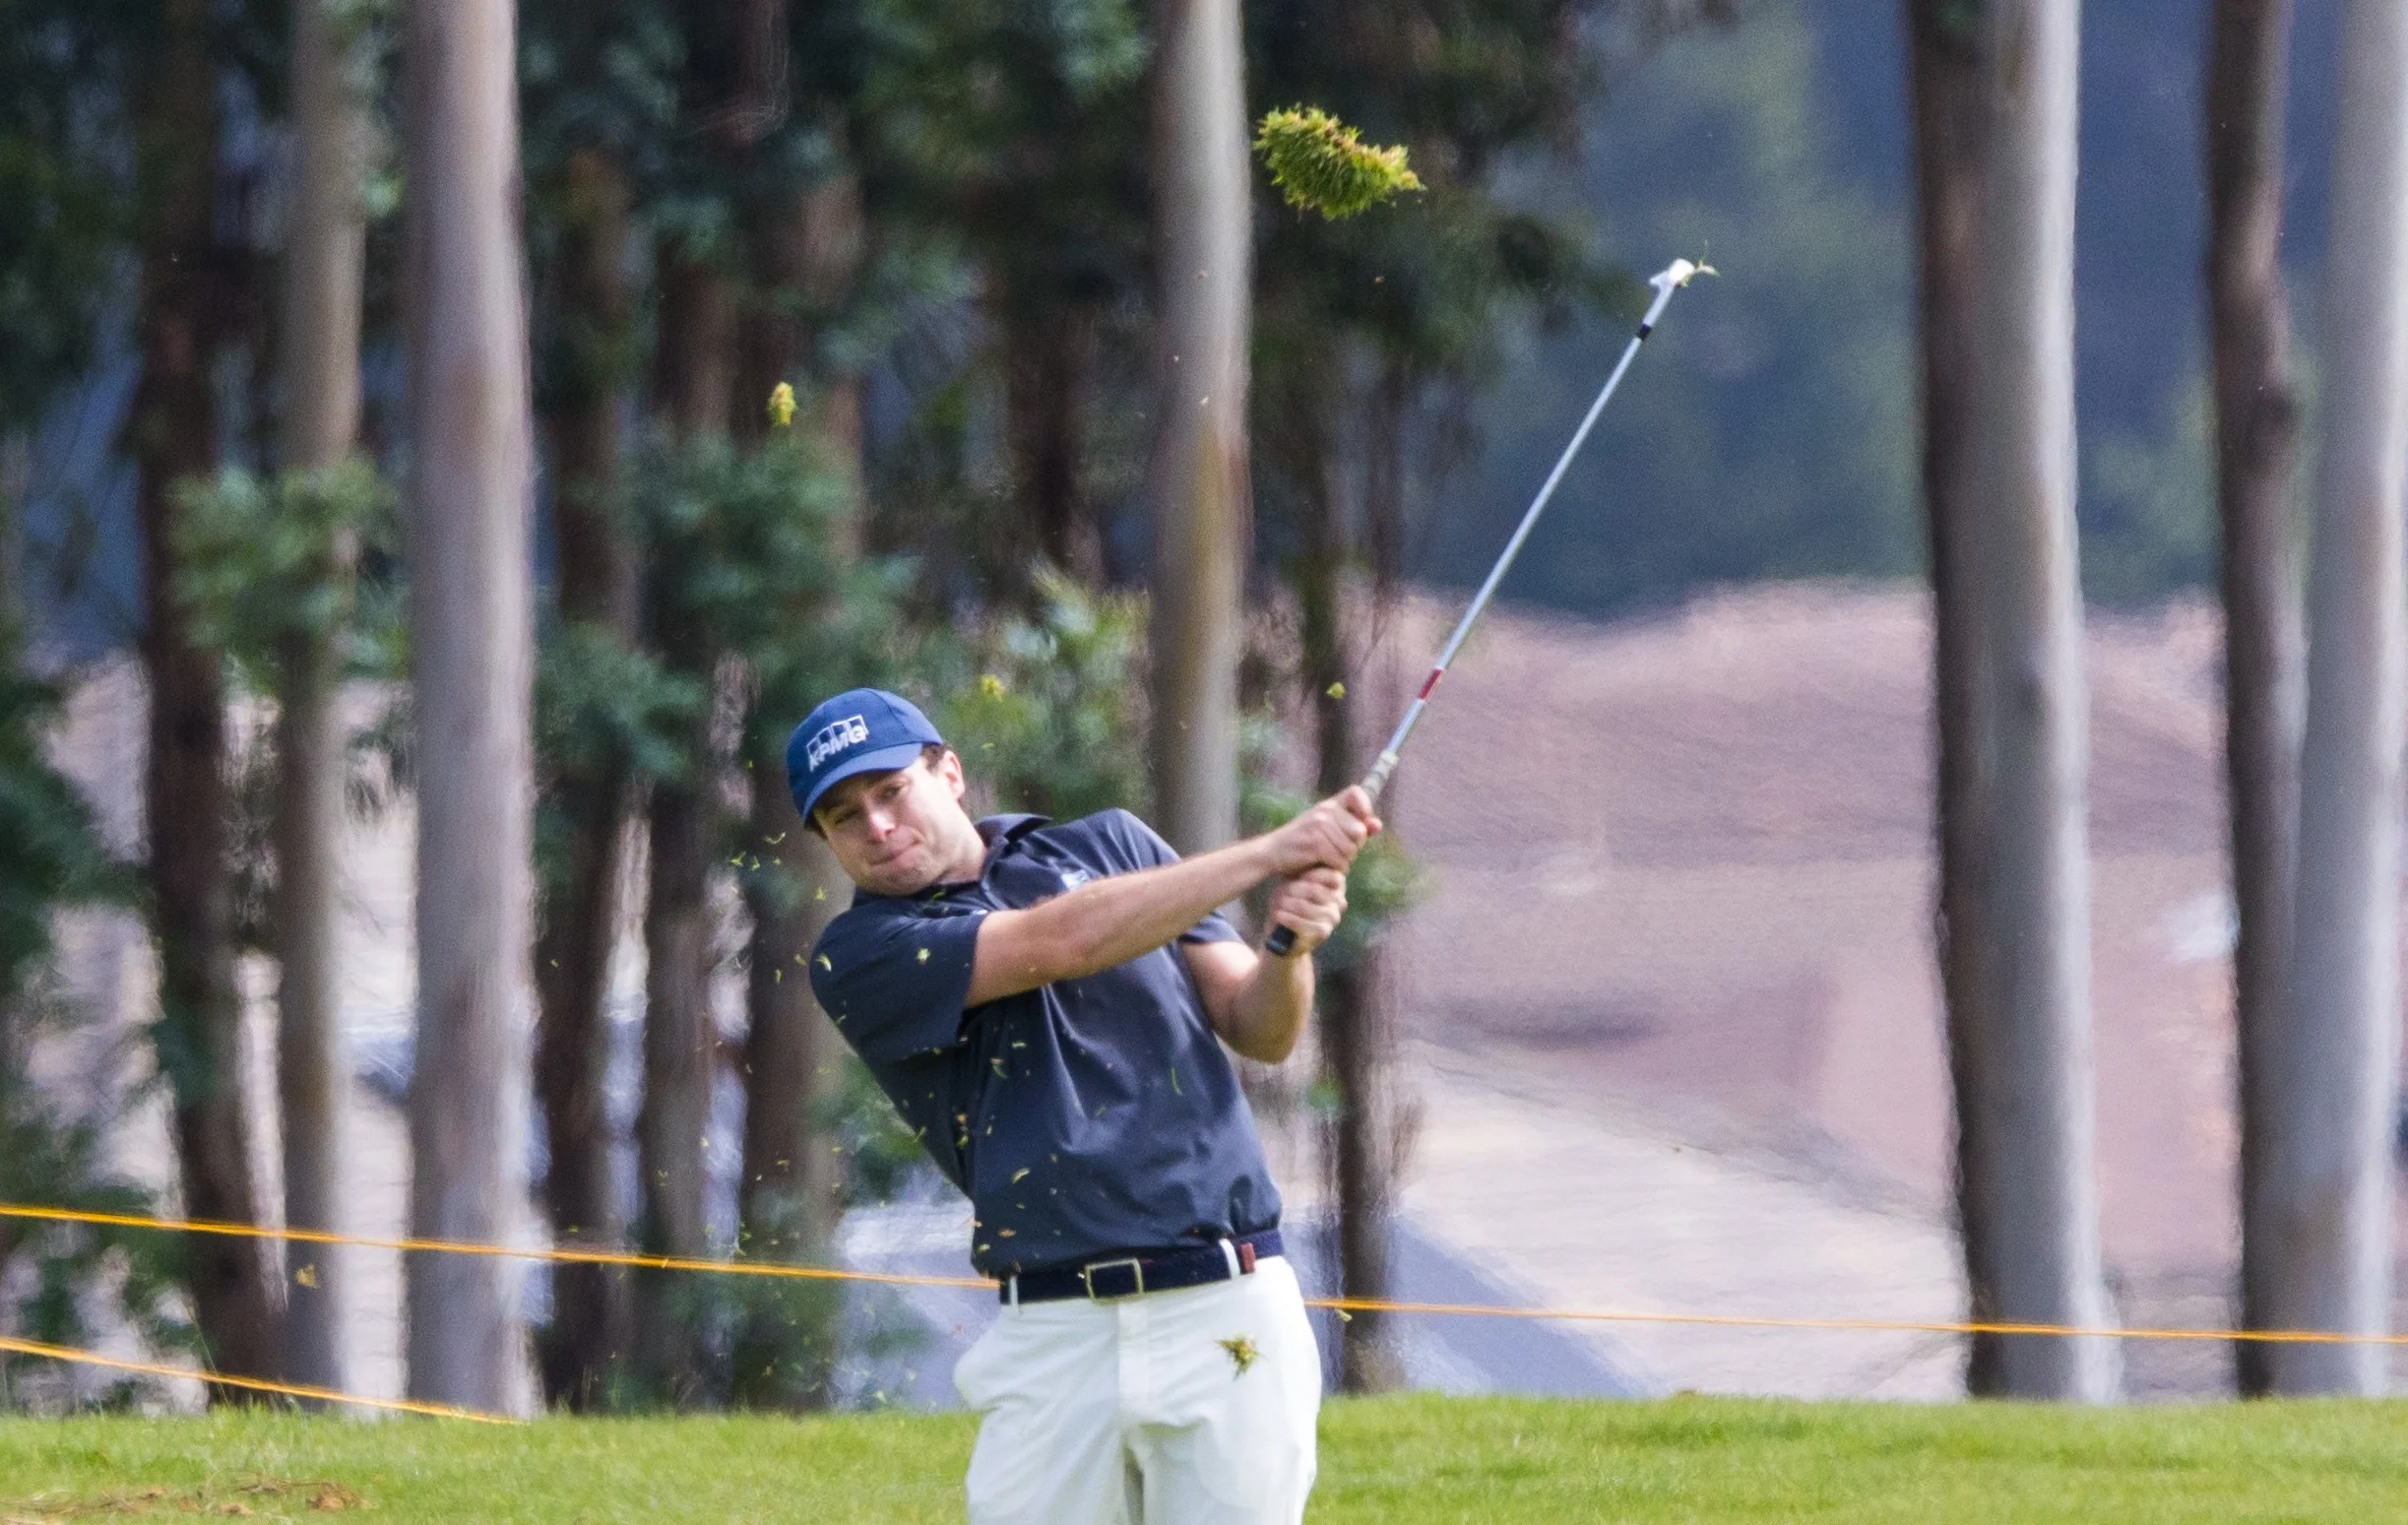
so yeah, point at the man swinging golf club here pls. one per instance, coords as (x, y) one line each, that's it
(1045, 1002)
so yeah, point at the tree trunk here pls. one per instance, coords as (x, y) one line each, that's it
(2032, 1217)
(737, 70)
(692, 372)
(1046, 381)
(2265, 646)
(16, 470)
(811, 254)
(173, 436)
(680, 1034)
(789, 1196)
(593, 1313)
(2011, 929)
(793, 1057)
(2328, 1165)
(598, 567)
(1202, 513)
(1949, 140)
(1358, 1026)
(324, 271)
(593, 1324)
(311, 1074)
(470, 656)
(680, 1061)
(735, 91)
(1351, 1009)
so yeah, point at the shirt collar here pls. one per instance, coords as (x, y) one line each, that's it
(1001, 832)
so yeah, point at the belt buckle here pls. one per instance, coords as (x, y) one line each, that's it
(1137, 1275)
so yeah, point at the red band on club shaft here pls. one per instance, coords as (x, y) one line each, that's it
(1435, 673)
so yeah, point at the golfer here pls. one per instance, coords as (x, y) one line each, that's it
(1046, 1004)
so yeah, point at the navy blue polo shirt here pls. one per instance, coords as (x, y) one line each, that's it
(1084, 1118)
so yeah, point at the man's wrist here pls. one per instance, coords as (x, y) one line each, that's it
(1257, 859)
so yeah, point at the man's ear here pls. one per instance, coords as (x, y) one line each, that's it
(949, 768)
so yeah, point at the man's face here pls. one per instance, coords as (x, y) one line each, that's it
(898, 833)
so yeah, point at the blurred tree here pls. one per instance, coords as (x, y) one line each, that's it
(324, 274)
(1358, 322)
(267, 572)
(190, 305)
(1950, 150)
(804, 248)
(733, 90)
(67, 214)
(743, 562)
(599, 91)
(1016, 135)
(789, 1189)
(123, 191)
(681, 950)
(610, 720)
(61, 1280)
(1200, 481)
(471, 622)
(2326, 1171)
(1045, 706)
(681, 1040)
(1994, 112)
(55, 855)
(2264, 644)
(1355, 1032)
(805, 253)
(707, 136)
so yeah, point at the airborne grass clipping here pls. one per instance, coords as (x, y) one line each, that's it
(1320, 163)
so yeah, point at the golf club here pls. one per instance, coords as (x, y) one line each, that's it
(1671, 279)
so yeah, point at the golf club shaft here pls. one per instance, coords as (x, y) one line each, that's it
(1674, 276)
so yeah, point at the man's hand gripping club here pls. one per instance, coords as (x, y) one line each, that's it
(1109, 921)
(1311, 898)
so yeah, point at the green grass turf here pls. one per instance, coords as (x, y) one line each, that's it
(1404, 1460)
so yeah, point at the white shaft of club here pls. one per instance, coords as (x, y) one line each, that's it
(1537, 505)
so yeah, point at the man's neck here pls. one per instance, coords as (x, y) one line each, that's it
(968, 864)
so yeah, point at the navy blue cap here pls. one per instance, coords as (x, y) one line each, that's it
(859, 731)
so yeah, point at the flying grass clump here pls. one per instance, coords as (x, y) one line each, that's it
(1320, 163)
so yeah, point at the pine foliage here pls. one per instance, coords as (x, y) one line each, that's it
(1321, 165)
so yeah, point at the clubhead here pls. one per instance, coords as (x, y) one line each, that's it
(1677, 273)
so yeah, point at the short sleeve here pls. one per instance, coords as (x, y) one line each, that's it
(1146, 849)
(894, 984)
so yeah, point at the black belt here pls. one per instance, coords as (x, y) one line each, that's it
(1151, 1270)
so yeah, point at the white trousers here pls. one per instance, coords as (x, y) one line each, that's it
(1193, 1407)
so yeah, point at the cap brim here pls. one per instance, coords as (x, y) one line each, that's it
(884, 760)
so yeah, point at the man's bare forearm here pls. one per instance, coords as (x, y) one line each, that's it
(1268, 1015)
(1105, 923)
(1109, 921)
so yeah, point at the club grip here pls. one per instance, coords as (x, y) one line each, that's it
(1282, 940)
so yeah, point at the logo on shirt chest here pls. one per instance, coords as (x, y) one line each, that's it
(1072, 878)
(834, 737)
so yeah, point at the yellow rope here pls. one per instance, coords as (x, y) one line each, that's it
(500, 1252)
(249, 1383)
(1343, 1304)
(1876, 1326)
